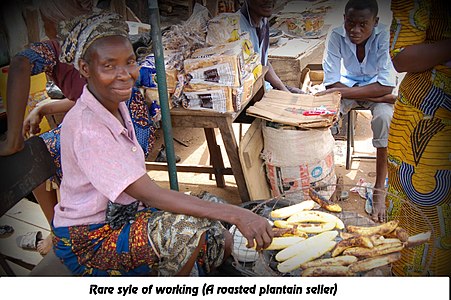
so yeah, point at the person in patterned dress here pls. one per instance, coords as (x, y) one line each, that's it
(419, 145)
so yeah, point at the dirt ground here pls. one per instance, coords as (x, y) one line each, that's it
(197, 153)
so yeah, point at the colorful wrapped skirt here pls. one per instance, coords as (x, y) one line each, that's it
(154, 243)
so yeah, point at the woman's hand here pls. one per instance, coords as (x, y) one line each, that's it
(31, 123)
(255, 229)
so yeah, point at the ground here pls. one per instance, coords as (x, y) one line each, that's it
(197, 153)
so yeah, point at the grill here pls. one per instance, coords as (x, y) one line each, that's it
(248, 262)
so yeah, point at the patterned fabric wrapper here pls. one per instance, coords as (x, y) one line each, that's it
(79, 33)
(155, 243)
(419, 147)
(176, 236)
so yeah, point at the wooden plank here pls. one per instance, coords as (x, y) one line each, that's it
(215, 156)
(29, 212)
(294, 48)
(250, 148)
(156, 166)
(231, 146)
(18, 270)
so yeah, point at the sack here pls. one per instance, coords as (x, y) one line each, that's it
(298, 159)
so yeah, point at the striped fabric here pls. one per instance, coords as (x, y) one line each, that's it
(420, 140)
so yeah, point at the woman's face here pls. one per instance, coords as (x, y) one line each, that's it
(111, 69)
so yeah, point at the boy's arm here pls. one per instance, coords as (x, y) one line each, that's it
(379, 91)
(372, 92)
(254, 227)
(332, 61)
(274, 80)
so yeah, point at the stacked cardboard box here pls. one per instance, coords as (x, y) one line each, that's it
(221, 77)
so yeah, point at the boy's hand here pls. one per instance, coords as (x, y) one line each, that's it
(389, 98)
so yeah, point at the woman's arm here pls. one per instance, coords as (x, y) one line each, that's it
(31, 123)
(254, 227)
(18, 88)
(437, 53)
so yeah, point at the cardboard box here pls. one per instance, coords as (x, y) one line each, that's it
(288, 108)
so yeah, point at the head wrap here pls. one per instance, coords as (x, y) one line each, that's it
(59, 10)
(79, 33)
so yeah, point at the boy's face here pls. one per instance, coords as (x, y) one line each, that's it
(359, 24)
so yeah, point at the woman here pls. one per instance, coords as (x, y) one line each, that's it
(101, 226)
(45, 57)
(419, 141)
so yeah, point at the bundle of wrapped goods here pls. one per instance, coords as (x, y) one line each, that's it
(207, 97)
(219, 65)
(147, 74)
(188, 35)
(222, 75)
(148, 78)
(223, 28)
(253, 65)
(218, 98)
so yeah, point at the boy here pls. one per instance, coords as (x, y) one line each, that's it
(357, 64)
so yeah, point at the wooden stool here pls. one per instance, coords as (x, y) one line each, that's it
(350, 139)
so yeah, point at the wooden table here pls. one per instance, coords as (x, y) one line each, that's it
(209, 120)
(289, 60)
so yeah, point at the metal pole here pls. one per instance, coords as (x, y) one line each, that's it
(157, 44)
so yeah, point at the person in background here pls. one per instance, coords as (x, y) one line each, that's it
(122, 222)
(254, 19)
(357, 64)
(44, 57)
(419, 144)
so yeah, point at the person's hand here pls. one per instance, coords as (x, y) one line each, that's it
(294, 90)
(255, 229)
(31, 123)
(325, 92)
(379, 210)
(389, 98)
